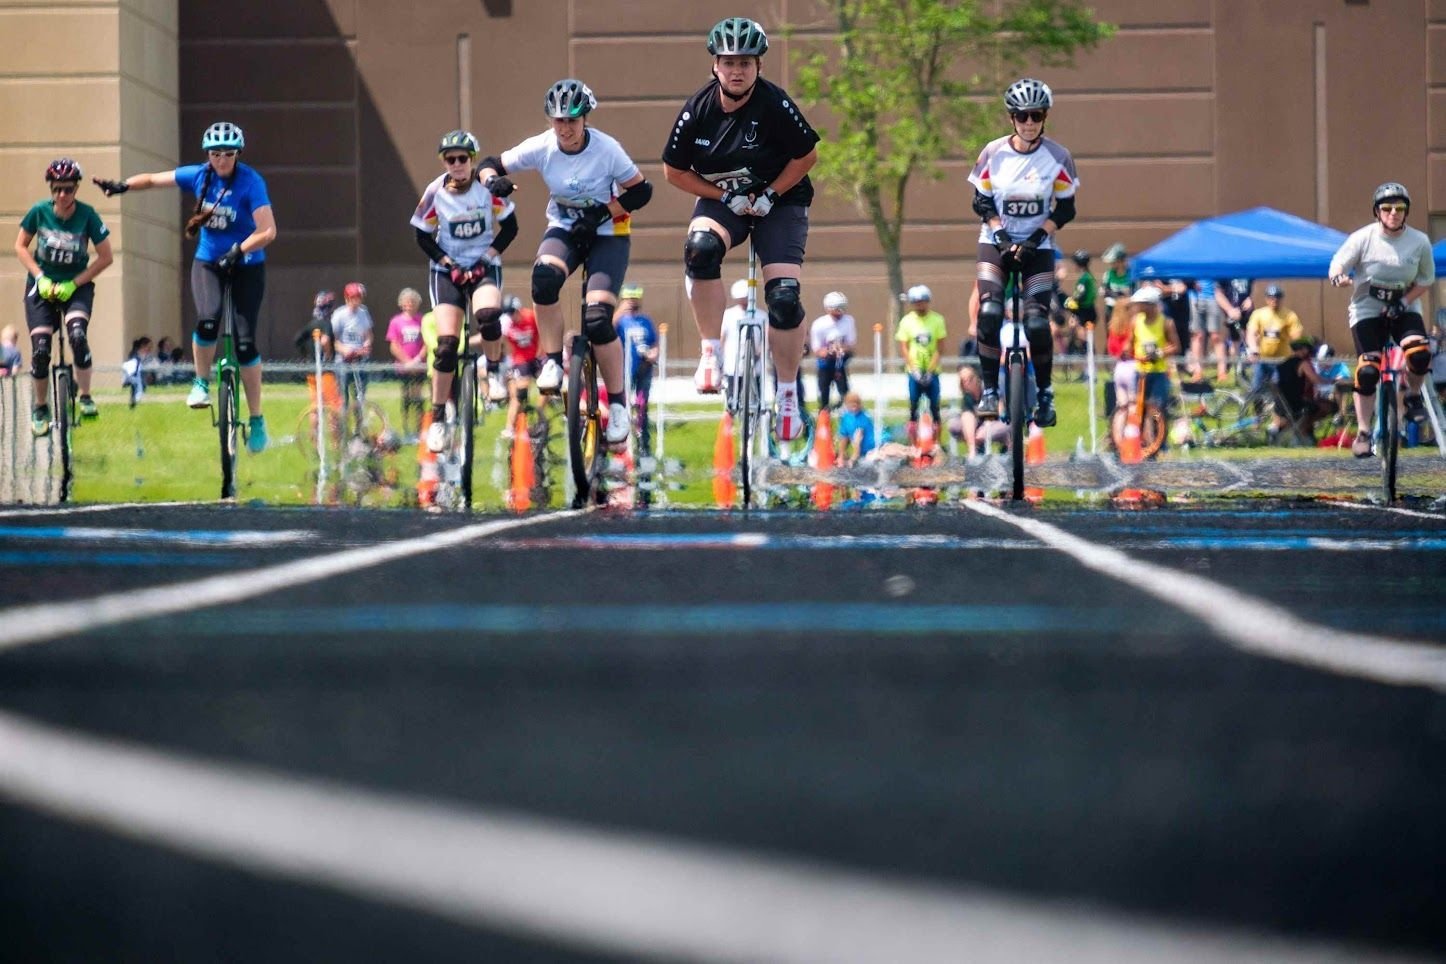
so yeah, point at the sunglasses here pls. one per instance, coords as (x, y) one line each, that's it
(1395, 208)
(1034, 116)
(222, 153)
(457, 159)
(63, 188)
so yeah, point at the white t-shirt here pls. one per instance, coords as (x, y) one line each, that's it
(1023, 185)
(578, 181)
(465, 223)
(827, 330)
(1383, 261)
(733, 317)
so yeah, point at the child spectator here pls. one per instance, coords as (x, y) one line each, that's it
(1119, 345)
(133, 369)
(519, 329)
(855, 429)
(10, 360)
(965, 426)
(351, 327)
(321, 311)
(640, 337)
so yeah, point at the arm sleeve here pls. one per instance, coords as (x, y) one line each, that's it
(506, 232)
(429, 245)
(1063, 212)
(984, 205)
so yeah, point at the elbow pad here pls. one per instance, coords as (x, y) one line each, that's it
(984, 205)
(1063, 212)
(493, 162)
(636, 196)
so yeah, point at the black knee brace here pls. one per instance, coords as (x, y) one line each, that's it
(547, 282)
(489, 323)
(597, 323)
(40, 354)
(446, 357)
(785, 303)
(1036, 325)
(79, 344)
(1368, 374)
(207, 331)
(1418, 355)
(246, 352)
(991, 320)
(703, 255)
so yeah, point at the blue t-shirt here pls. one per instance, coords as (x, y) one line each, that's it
(231, 206)
(851, 422)
(638, 333)
(1203, 291)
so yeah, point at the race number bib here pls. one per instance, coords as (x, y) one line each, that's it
(1386, 293)
(732, 180)
(469, 228)
(1023, 207)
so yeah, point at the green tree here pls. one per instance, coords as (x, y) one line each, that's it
(911, 81)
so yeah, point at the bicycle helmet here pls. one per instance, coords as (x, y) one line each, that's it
(835, 301)
(324, 299)
(1028, 94)
(62, 169)
(569, 98)
(1389, 191)
(1148, 295)
(355, 289)
(631, 293)
(223, 136)
(458, 141)
(739, 291)
(1081, 258)
(511, 303)
(920, 293)
(1115, 252)
(737, 36)
(1324, 351)
(1275, 291)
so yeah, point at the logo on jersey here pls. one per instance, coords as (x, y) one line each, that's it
(703, 142)
(221, 218)
(752, 136)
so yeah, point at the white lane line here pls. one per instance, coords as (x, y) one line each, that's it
(634, 895)
(190, 537)
(43, 511)
(1437, 516)
(38, 622)
(1245, 622)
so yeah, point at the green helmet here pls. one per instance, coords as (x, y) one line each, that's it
(737, 36)
(458, 141)
(632, 292)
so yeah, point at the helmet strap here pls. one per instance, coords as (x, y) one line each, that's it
(740, 98)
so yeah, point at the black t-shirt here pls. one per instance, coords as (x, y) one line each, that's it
(753, 143)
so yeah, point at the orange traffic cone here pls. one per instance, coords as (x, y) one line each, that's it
(1034, 455)
(724, 488)
(523, 475)
(427, 477)
(823, 458)
(1130, 452)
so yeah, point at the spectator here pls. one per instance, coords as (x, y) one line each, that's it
(1175, 303)
(728, 346)
(321, 310)
(1081, 305)
(1336, 380)
(1234, 296)
(965, 427)
(404, 341)
(832, 339)
(519, 330)
(855, 429)
(1300, 387)
(10, 360)
(920, 333)
(640, 338)
(1438, 356)
(351, 327)
(1269, 335)
(1153, 345)
(133, 369)
(1119, 345)
(1116, 282)
(1207, 320)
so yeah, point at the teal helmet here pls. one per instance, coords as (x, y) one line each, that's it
(737, 36)
(569, 98)
(223, 136)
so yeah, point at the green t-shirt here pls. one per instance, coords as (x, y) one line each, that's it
(921, 336)
(60, 247)
(1085, 290)
(1117, 280)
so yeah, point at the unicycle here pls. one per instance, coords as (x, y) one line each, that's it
(1018, 384)
(1388, 426)
(585, 448)
(228, 402)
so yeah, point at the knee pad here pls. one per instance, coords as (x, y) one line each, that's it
(489, 323)
(1368, 374)
(547, 282)
(991, 320)
(597, 323)
(79, 344)
(703, 255)
(1036, 323)
(1418, 355)
(446, 358)
(207, 331)
(40, 355)
(785, 303)
(246, 352)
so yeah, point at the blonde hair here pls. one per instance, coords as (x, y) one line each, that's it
(409, 294)
(8, 333)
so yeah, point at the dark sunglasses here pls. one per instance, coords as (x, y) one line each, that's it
(458, 158)
(1037, 116)
(63, 188)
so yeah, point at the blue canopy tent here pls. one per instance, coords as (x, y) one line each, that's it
(1259, 243)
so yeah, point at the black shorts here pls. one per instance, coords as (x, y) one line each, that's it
(607, 258)
(779, 238)
(248, 288)
(527, 369)
(40, 313)
(444, 292)
(1370, 333)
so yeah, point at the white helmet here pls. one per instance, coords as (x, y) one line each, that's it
(920, 293)
(739, 291)
(835, 300)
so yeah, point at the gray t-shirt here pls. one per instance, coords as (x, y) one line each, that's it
(351, 328)
(1383, 262)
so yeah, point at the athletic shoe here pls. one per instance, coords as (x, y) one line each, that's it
(437, 437)
(708, 379)
(200, 396)
(790, 420)
(508, 434)
(988, 406)
(1044, 415)
(256, 434)
(1415, 408)
(496, 387)
(88, 409)
(40, 421)
(549, 380)
(620, 424)
(1361, 447)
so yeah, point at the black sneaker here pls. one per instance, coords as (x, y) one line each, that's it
(1044, 415)
(988, 406)
(1415, 408)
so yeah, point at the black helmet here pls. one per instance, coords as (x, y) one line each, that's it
(458, 140)
(1388, 191)
(62, 169)
(737, 36)
(1081, 258)
(569, 98)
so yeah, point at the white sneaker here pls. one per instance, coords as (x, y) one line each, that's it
(708, 379)
(200, 396)
(496, 387)
(790, 419)
(437, 437)
(620, 424)
(549, 380)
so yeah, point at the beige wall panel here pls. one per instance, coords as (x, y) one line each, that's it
(1140, 60)
(313, 248)
(148, 118)
(148, 55)
(1436, 10)
(26, 52)
(1436, 120)
(311, 201)
(691, 17)
(1436, 179)
(43, 111)
(146, 239)
(165, 14)
(22, 179)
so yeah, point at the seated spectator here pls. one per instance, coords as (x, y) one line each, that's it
(965, 426)
(133, 369)
(1269, 335)
(1300, 391)
(855, 429)
(1336, 381)
(10, 360)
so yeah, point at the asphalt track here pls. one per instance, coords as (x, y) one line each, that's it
(956, 734)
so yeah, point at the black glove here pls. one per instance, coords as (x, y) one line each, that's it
(1031, 244)
(500, 185)
(1002, 240)
(584, 229)
(228, 261)
(477, 273)
(109, 188)
(1394, 310)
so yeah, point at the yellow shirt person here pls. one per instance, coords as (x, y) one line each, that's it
(1273, 328)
